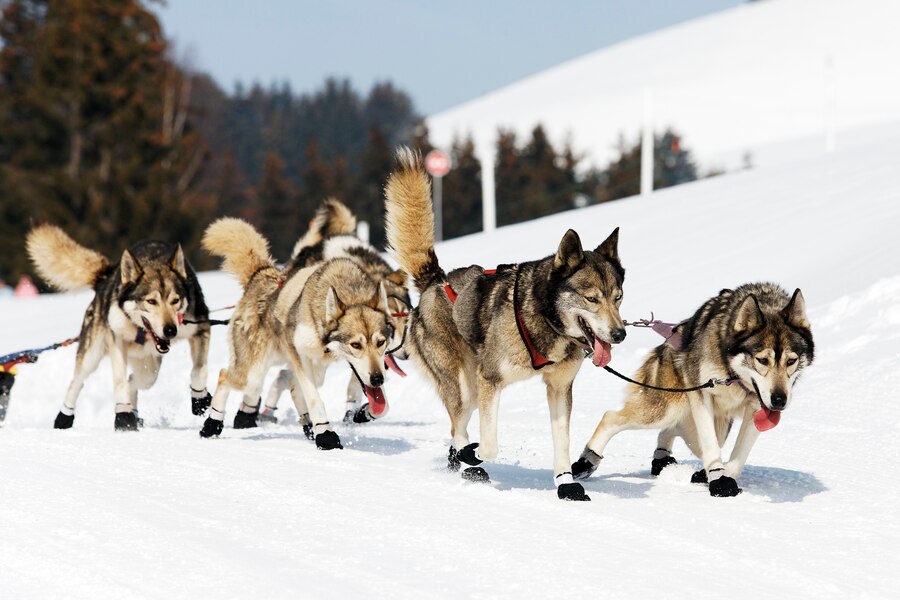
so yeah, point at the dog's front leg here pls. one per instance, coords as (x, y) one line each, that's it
(719, 483)
(559, 401)
(126, 420)
(745, 440)
(306, 377)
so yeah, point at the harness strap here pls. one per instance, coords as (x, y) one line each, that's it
(538, 360)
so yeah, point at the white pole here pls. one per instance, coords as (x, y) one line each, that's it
(488, 191)
(647, 147)
(362, 230)
(438, 201)
(829, 104)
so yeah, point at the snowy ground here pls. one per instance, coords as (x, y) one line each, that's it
(89, 513)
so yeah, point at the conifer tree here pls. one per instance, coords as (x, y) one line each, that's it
(462, 191)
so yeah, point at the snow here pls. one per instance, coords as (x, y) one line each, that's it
(90, 513)
(763, 78)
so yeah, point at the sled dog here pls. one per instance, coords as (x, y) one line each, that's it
(136, 314)
(332, 234)
(474, 332)
(307, 318)
(755, 336)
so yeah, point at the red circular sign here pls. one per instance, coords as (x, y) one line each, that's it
(437, 163)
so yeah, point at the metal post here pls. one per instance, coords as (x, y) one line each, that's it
(438, 201)
(647, 147)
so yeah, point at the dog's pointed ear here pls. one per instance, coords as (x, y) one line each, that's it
(177, 262)
(130, 268)
(569, 255)
(382, 299)
(749, 317)
(795, 312)
(397, 277)
(379, 300)
(609, 249)
(334, 308)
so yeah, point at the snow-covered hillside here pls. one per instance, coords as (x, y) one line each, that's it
(89, 513)
(749, 79)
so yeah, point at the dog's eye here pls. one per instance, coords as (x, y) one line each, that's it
(591, 299)
(150, 301)
(791, 362)
(379, 343)
(618, 297)
(763, 361)
(175, 301)
(356, 345)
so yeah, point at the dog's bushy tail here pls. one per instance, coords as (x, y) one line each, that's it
(244, 249)
(331, 218)
(62, 261)
(409, 222)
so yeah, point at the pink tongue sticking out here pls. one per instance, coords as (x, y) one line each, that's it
(391, 363)
(377, 403)
(602, 352)
(766, 419)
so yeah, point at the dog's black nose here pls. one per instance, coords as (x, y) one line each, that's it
(779, 401)
(376, 379)
(617, 335)
(170, 331)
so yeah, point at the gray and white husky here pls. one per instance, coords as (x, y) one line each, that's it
(137, 312)
(305, 319)
(474, 332)
(755, 336)
(332, 234)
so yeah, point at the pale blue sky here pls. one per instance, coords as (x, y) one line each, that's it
(441, 52)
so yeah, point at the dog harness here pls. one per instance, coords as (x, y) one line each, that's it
(538, 360)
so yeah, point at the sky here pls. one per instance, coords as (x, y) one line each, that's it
(440, 53)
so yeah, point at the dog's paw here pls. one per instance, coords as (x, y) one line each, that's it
(245, 420)
(469, 456)
(572, 491)
(659, 464)
(328, 440)
(126, 421)
(699, 477)
(63, 421)
(362, 415)
(476, 474)
(308, 431)
(211, 428)
(267, 415)
(724, 487)
(453, 463)
(199, 405)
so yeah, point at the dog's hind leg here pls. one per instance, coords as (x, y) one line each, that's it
(488, 401)
(283, 382)
(200, 397)
(245, 417)
(213, 424)
(720, 484)
(747, 436)
(86, 361)
(460, 399)
(662, 457)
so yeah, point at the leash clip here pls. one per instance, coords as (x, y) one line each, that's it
(648, 323)
(723, 381)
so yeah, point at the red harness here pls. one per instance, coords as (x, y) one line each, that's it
(538, 360)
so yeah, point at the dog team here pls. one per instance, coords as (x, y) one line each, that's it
(473, 332)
